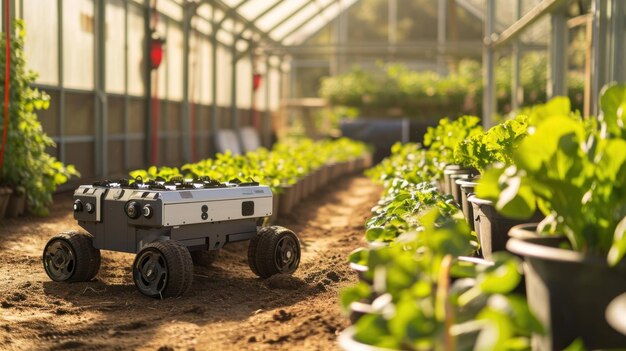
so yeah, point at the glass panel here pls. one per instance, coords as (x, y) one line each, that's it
(200, 70)
(78, 44)
(174, 52)
(160, 76)
(232, 3)
(279, 13)
(224, 37)
(254, 8)
(275, 78)
(317, 23)
(41, 37)
(79, 112)
(259, 96)
(224, 67)
(115, 63)
(205, 11)
(170, 9)
(136, 75)
(244, 83)
(295, 21)
(201, 25)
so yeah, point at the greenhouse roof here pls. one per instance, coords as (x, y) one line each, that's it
(278, 21)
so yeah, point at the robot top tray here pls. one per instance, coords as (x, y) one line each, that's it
(174, 184)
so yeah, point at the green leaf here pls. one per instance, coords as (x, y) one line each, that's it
(613, 106)
(502, 277)
(618, 249)
(354, 293)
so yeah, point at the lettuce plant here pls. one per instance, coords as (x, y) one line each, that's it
(493, 146)
(575, 172)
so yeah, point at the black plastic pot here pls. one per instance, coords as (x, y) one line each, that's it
(568, 292)
(16, 204)
(286, 200)
(5, 195)
(467, 186)
(456, 188)
(450, 170)
(493, 228)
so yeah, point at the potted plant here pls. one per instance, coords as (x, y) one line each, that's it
(574, 171)
(480, 151)
(441, 142)
(27, 166)
(413, 304)
(5, 195)
(17, 203)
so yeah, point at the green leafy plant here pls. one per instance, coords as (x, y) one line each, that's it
(27, 165)
(575, 173)
(493, 146)
(443, 139)
(414, 308)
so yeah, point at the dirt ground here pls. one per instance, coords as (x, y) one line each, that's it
(228, 308)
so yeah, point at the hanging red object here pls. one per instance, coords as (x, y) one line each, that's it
(256, 81)
(156, 52)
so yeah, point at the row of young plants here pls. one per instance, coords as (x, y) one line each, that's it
(294, 168)
(461, 195)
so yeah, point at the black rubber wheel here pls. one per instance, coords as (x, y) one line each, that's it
(274, 250)
(163, 269)
(204, 258)
(71, 257)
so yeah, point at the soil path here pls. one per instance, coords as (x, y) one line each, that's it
(228, 308)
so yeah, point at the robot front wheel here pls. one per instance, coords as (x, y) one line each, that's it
(71, 257)
(274, 250)
(163, 269)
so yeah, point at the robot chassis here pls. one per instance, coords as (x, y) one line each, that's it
(169, 226)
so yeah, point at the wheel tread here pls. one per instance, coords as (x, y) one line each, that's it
(179, 267)
(266, 240)
(87, 257)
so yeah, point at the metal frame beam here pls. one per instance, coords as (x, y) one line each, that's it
(540, 10)
(557, 78)
(517, 92)
(489, 94)
(101, 106)
(285, 19)
(305, 22)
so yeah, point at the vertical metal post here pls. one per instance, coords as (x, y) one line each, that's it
(267, 123)
(599, 52)
(126, 93)
(185, 117)
(233, 87)
(557, 82)
(148, 127)
(489, 94)
(392, 28)
(341, 37)
(617, 41)
(517, 92)
(442, 14)
(214, 124)
(102, 139)
(61, 106)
